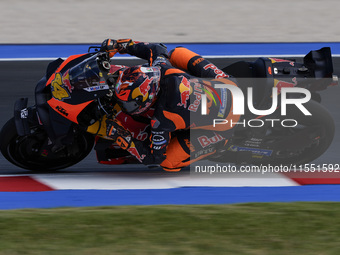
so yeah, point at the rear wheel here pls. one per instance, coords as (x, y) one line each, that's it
(309, 139)
(287, 145)
(33, 152)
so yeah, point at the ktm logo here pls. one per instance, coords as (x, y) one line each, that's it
(62, 110)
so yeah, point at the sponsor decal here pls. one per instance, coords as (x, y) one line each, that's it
(223, 106)
(58, 89)
(219, 73)
(143, 134)
(203, 152)
(122, 142)
(206, 141)
(185, 89)
(62, 110)
(145, 87)
(278, 60)
(189, 145)
(133, 151)
(197, 92)
(66, 81)
(194, 106)
(96, 88)
(261, 152)
(158, 140)
(24, 113)
(148, 69)
(153, 123)
(197, 61)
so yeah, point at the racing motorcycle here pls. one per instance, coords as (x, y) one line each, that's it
(75, 97)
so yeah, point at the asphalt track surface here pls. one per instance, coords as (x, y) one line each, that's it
(18, 79)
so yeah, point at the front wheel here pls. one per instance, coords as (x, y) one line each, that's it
(33, 152)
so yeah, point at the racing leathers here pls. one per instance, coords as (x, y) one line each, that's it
(179, 131)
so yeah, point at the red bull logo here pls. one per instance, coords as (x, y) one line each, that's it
(145, 86)
(133, 151)
(278, 60)
(185, 90)
(206, 141)
(66, 81)
(143, 89)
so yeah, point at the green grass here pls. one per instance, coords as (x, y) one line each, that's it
(262, 228)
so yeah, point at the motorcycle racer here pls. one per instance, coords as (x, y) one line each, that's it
(76, 96)
(170, 86)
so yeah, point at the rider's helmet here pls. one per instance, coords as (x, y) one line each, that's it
(136, 88)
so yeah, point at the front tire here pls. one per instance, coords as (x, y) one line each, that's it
(32, 152)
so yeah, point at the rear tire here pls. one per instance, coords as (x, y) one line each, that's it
(324, 128)
(296, 146)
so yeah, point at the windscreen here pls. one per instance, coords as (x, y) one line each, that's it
(85, 74)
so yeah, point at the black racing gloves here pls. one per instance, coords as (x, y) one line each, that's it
(113, 46)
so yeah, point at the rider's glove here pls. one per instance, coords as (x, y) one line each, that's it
(116, 131)
(123, 44)
(113, 46)
(110, 46)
